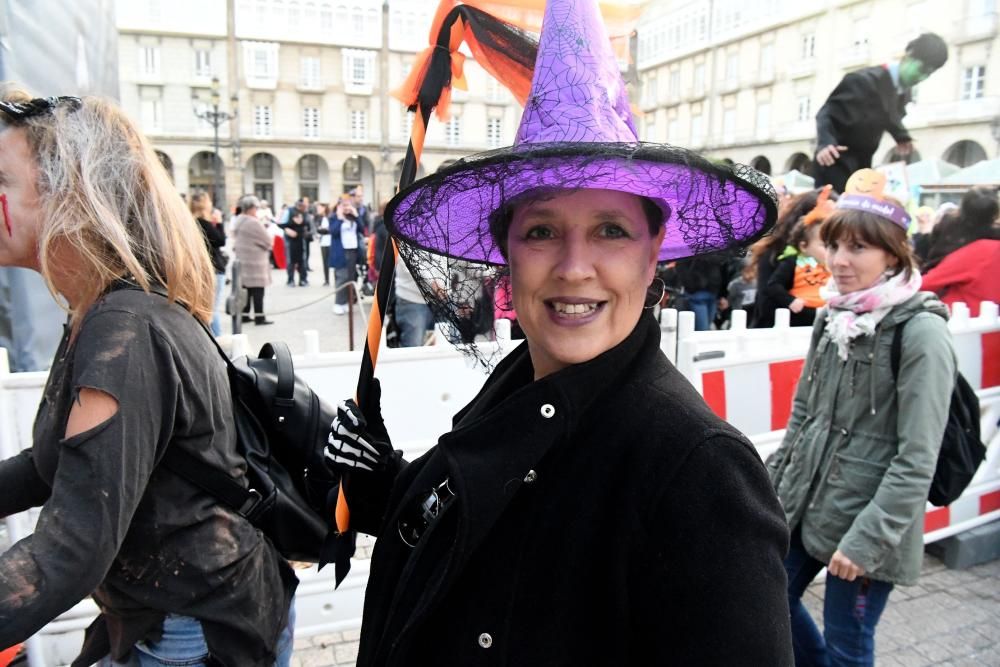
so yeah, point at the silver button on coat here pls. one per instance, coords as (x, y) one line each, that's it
(530, 477)
(548, 411)
(485, 640)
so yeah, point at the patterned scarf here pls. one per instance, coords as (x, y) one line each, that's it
(858, 313)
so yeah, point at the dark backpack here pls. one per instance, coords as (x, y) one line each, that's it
(962, 450)
(281, 430)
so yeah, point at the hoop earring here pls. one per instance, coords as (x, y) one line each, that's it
(650, 290)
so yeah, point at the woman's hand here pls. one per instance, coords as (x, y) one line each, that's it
(797, 306)
(843, 567)
(291, 233)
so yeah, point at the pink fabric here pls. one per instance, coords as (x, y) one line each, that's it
(857, 314)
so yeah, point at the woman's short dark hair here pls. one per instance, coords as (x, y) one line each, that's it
(979, 207)
(847, 224)
(501, 219)
(928, 49)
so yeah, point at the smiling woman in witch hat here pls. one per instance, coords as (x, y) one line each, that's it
(587, 506)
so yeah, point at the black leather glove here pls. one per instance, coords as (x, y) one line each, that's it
(357, 443)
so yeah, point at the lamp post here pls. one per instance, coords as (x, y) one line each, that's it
(215, 118)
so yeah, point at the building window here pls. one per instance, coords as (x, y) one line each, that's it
(973, 82)
(494, 137)
(763, 119)
(311, 17)
(495, 92)
(310, 123)
(359, 70)
(699, 78)
(294, 14)
(732, 67)
(373, 23)
(261, 63)
(674, 130)
(651, 128)
(649, 92)
(262, 121)
(359, 125)
(263, 167)
(729, 126)
(696, 137)
(278, 16)
(808, 47)
(674, 87)
(203, 63)
(767, 61)
(357, 21)
(341, 15)
(453, 131)
(326, 16)
(309, 168)
(152, 115)
(309, 75)
(805, 109)
(149, 60)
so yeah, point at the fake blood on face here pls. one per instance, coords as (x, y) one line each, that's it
(6, 215)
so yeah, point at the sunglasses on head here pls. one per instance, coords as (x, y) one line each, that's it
(22, 111)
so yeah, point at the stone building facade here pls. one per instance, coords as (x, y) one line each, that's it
(311, 81)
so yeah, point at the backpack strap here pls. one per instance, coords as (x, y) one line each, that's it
(897, 349)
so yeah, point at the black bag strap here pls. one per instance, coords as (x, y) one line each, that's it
(283, 403)
(897, 349)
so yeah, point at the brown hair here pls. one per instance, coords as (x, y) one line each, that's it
(873, 230)
(200, 201)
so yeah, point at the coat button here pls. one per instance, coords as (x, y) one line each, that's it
(485, 640)
(843, 431)
(530, 477)
(548, 411)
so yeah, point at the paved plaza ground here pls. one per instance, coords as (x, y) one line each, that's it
(951, 618)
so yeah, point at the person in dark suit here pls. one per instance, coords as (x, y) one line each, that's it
(867, 103)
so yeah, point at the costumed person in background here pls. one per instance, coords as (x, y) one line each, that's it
(867, 103)
(765, 253)
(857, 459)
(179, 578)
(801, 270)
(588, 490)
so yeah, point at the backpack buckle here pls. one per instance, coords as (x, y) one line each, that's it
(251, 503)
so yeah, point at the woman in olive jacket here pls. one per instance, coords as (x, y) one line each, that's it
(856, 462)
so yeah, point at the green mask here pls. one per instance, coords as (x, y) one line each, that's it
(911, 72)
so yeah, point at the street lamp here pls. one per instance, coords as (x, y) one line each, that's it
(215, 118)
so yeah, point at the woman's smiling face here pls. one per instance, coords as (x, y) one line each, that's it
(580, 264)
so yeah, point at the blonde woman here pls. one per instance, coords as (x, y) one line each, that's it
(210, 221)
(179, 578)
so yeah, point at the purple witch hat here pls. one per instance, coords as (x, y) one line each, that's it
(577, 132)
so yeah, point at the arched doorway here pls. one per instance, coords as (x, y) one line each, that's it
(206, 173)
(262, 177)
(761, 164)
(314, 178)
(964, 153)
(398, 171)
(168, 164)
(799, 162)
(893, 156)
(359, 170)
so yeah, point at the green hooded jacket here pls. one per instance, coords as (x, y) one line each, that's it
(856, 462)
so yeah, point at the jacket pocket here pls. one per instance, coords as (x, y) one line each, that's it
(852, 483)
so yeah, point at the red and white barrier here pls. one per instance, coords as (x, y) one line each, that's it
(748, 376)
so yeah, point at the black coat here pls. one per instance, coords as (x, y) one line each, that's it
(864, 104)
(603, 515)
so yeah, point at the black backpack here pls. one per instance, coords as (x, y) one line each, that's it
(282, 428)
(962, 450)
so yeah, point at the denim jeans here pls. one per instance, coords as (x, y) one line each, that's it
(703, 303)
(183, 643)
(220, 299)
(851, 610)
(414, 319)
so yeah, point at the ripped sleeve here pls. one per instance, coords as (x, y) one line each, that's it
(99, 479)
